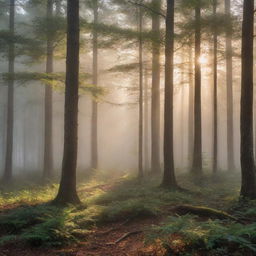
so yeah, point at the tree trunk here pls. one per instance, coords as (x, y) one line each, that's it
(155, 104)
(215, 100)
(94, 128)
(67, 191)
(48, 151)
(190, 109)
(140, 157)
(146, 130)
(182, 91)
(248, 188)
(10, 107)
(169, 180)
(229, 80)
(197, 155)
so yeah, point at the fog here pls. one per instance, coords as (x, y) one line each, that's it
(118, 106)
(118, 118)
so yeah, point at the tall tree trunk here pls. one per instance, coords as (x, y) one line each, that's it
(10, 107)
(155, 104)
(254, 99)
(146, 130)
(182, 91)
(229, 79)
(94, 122)
(67, 190)
(140, 157)
(169, 180)
(197, 155)
(48, 151)
(248, 188)
(215, 99)
(190, 109)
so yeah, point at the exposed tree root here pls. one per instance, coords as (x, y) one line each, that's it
(203, 212)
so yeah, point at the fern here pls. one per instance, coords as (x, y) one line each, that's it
(207, 235)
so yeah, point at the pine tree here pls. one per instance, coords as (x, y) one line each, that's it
(229, 80)
(67, 190)
(94, 121)
(197, 154)
(169, 180)
(248, 188)
(155, 102)
(140, 156)
(215, 88)
(8, 172)
(48, 151)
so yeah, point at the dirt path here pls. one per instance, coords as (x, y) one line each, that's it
(103, 241)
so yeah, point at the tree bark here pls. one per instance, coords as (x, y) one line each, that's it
(229, 80)
(169, 180)
(94, 121)
(8, 172)
(182, 91)
(197, 155)
(146, 128)
(140, 156)
(248, 188)
(215, 99)
(67, 191)
(48, 147)
(155, 104)
(190, 109)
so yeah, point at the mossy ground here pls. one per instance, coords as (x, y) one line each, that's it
(110, 199)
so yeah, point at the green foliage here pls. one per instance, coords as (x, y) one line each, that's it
(245, 209)
(38, 225)
(30, 195)
(125, 67)
(206, 235)
(53, 29)
(148, 192)
(107, 197)
(129, 199)
(118, 33)
(191, 4)
(56, 81)
(23, 45)
(129, 209)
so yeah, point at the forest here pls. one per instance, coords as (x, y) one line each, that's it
(168, 87)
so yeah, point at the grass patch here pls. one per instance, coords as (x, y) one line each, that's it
(32, 195)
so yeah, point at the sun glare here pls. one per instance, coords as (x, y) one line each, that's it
(203, 59)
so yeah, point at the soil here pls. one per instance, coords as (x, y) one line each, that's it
(101, 242)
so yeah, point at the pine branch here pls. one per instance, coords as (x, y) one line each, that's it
(148, 8)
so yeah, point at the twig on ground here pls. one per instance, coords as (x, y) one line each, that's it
(126, 235)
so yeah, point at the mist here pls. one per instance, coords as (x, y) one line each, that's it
(127, 127)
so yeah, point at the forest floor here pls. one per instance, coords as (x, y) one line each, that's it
(121, 216)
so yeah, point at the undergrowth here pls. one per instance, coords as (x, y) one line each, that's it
(111, 199)
(187, 235)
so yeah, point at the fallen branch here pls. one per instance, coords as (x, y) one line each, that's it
(203, 212)
(125, 236)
